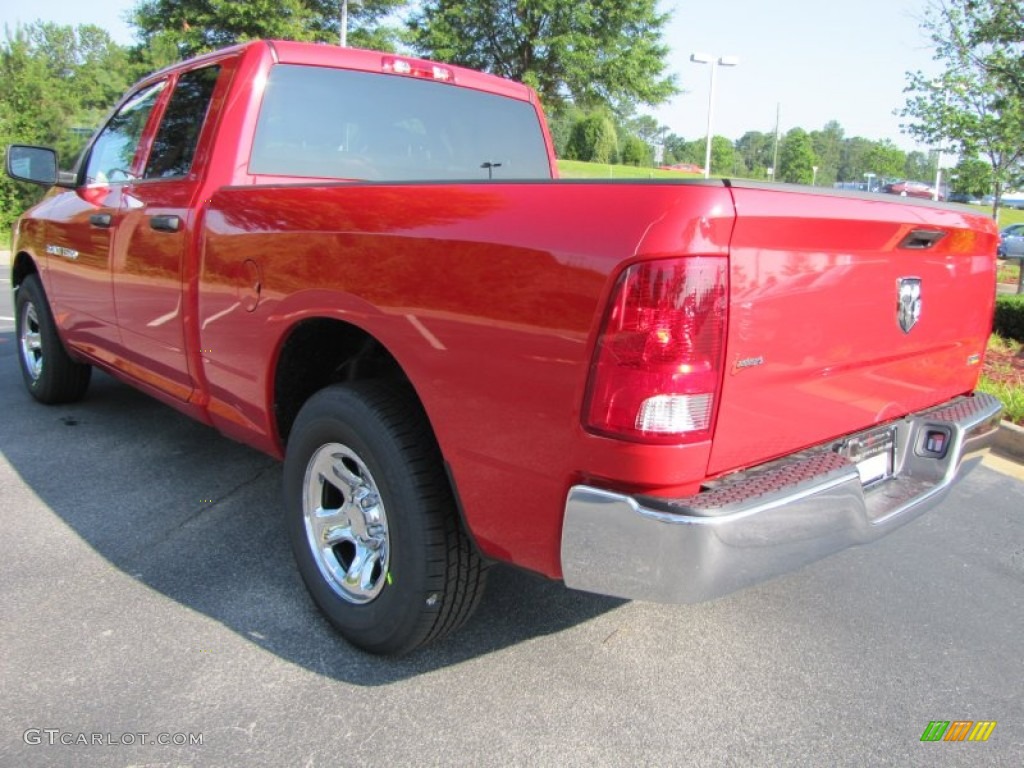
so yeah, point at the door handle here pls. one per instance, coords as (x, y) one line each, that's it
(921, 239)
(101, 220)
(165, 223)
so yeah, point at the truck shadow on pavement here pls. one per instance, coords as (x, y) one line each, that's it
(197, 517)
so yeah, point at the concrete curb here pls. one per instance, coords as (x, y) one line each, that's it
(1010, 441)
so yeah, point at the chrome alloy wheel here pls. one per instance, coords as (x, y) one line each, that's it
(31, 341)
(346, 525)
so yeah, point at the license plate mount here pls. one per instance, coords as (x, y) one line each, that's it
(873, 453)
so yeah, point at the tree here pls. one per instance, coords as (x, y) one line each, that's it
(635, 151)
(593, 139)
(972, 177)
(723, 156)
(918, 167)
(796, 158)
(590, 52)
(994, 39)
(679, 150)
(195, 26)
(886, 160)
(828, 146)
(646, 128)
(56, 83)
(974, 107)
(754, 150)
(853, 159)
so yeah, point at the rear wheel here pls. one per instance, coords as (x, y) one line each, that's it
(49, 372)
(372, 520)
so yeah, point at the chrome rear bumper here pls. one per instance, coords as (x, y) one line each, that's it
(768, 520)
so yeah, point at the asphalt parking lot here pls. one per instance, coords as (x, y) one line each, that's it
(147, 590)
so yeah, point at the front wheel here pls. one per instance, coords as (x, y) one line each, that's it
(372, 519)
(50, 374)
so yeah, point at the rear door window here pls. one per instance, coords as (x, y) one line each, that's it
(175, 144)
(334, 123)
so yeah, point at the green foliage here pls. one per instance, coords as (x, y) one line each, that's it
(723, 156)
(976, 105)
(754, 150)
(591, 52)
(1009, 317)
(1012, 398)
(886, 160)
(593, 139)
(190, 27)
(796, 158)
(56, 84)
(635, 151)
(679, 150)
(827, 145)
(972, 177)
(646, 128)
(918, 167)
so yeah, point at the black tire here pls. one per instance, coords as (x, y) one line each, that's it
(49, 372)
(374, 440)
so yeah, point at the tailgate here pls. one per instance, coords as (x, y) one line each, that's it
(846, 311)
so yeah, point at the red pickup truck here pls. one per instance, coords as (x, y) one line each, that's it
(362, 263)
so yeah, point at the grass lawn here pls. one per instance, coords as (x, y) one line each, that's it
(1003, 376)
(1008, 272)
(574, 169)
(1007, 216)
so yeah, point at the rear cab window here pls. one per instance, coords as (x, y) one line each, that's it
(318, 122)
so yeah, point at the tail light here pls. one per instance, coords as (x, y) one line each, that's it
(658, 363)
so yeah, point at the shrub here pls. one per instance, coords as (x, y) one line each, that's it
(635, 152)
(1009, 319)
(593, 139)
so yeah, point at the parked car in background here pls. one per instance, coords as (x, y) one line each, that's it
(966, 199)
(913, 189)
(1012, 199)
(1011, 242)
(687, 167)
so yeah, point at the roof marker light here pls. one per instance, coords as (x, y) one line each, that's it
(413, 68)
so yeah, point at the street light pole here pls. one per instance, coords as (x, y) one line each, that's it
(344, 21)
(724, 61)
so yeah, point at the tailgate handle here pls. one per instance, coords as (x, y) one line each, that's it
(921, 239)
(165, 223)
(101, 220)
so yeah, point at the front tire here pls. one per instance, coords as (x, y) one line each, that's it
(49, 372)
(372, 519)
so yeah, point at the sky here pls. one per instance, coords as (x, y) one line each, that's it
(817, 60)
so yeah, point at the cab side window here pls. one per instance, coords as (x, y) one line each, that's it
(113, 153)
(174, 147)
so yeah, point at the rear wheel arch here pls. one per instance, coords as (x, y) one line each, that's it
(334, 387)
(318, 352)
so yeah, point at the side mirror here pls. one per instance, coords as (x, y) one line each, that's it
(36, 165)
